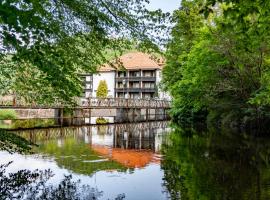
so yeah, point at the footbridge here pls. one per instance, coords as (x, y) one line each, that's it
(94, 103)
(90, 110)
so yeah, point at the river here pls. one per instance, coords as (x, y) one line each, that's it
(149, 161)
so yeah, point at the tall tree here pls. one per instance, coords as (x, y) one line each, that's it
(183, 34)
(225, 73)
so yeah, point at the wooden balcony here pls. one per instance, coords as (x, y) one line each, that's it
(135, 79)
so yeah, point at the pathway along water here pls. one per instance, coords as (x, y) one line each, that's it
(148, 161)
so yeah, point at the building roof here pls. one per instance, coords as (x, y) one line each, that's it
(133, 61)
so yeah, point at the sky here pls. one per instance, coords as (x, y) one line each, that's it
(164, 5)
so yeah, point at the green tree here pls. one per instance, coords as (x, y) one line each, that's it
(224, 73)
(45, 44)
(102, 90)
(183, 34)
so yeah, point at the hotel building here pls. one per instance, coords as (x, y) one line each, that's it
(138, 77)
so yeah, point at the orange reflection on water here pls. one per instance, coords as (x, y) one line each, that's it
(128, 157)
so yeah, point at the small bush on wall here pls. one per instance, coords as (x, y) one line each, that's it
(101, 120)
(102, 90)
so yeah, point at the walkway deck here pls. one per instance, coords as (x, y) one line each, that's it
(96, 103)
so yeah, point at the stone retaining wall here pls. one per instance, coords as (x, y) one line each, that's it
(35, 113)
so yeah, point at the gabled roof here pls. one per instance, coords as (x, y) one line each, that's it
(133, 61)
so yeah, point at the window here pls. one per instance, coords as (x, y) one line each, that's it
(149, 73)
(134, 74)
(87, 94)
(134, 95)
(121, 74)
(120, 85)
(88, 86)
(149, 85)
(134, 85)
(88, 78)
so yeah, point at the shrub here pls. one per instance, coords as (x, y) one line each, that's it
(33, 123)
(102, 90)
(101, 120)
(7, 114)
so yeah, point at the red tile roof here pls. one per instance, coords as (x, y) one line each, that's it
(133, 61)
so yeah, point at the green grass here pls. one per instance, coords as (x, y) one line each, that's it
(6, 114)
(33, 123)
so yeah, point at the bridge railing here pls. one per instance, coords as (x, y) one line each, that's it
(97, 103)
(121, 102)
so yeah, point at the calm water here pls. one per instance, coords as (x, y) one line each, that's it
(151, 161)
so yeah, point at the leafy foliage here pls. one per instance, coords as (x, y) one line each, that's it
(13, 143)
(7, 114)
(101, 120)
(222, 69)
(32, 123)
(102, 90)
(45, 44)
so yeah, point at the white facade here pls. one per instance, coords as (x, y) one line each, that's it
(109, 77)
(92, 83)
(141, 79)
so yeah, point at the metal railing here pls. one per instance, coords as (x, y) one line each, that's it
(126, 103)
(94, 103)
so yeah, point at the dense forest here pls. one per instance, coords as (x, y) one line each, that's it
(218, 62)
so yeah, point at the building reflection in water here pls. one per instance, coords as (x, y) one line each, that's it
(132, 145)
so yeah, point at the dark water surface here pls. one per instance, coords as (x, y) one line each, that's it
(150, 161)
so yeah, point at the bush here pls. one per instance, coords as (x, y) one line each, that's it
(101, 120)
(7, 114)
(102, 90)
(33, 123)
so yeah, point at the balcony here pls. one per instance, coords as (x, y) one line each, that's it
(148, 90)
(136, 90)
(148, 78)
(139, 78)
(134, 78)
(120, 79)
(134, 74)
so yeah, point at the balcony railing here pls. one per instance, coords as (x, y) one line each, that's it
(150, 90)
(89, 103)
(141, 78)
(149, 78)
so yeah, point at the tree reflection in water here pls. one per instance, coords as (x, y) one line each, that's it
(216, 165)
(28, 185)
(25, 184)
(33, 185)
(86, 150)
(13, 143)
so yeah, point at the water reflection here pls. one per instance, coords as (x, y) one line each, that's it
(120, 159)
(85, 150)
(152, 161)
(216, 165)
(26, 184)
